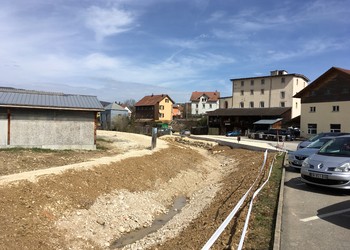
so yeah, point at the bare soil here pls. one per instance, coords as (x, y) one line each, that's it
(123, 187)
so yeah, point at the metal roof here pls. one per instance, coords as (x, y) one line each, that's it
(10, 97)
(267, 121)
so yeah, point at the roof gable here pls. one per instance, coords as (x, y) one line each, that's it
(114, 106)
(151, 100)
(333, 85)
(212, 96)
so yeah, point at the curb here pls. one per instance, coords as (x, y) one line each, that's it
(278, 225)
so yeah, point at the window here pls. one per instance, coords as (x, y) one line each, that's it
(161, 107)
(312, 128)
(196, 112)
(242, 92)
(262, 81)
(283, 104)
(242, 83)
(312, 109)
(252, 92)
(204, 99)
(167, 100)
(252, 83)
(283, 94)
(262, 104)
(210, 105)
(335, 128)
(161, 115)
(241, 104)
(296, 105)
(197, 106)
(262, 91)
(226, 104)
(203, 105)
(251, 104)
(283, 80)
(335, 108)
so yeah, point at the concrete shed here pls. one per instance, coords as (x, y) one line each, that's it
(35, 119)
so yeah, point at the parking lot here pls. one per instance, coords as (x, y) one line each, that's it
(312, 217)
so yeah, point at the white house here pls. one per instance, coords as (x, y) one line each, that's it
(202, 102)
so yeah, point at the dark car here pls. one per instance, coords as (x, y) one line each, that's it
(281, 132)
(304, 144)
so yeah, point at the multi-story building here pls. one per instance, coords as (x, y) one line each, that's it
(157, 108)
(274, 90)
(202, 102)
(325, 103)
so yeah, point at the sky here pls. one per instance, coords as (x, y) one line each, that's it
(125, 49)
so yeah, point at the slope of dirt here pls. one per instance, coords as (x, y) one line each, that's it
(90, 209)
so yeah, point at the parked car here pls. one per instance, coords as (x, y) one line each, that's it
(281, 132)
(330, 166)
(185, 132)
(303, 144)
(234, 133)
(296, 158)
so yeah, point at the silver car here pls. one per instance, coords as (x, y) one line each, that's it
(296, 158)
(304, 144)
(330, 166)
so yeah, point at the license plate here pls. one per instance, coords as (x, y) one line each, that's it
(319, 176)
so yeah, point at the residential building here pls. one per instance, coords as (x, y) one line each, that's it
(178, 110)
(225, 102)
(108, 117)
(202, 102)
(272, 91)
(158, 108)
(325, 103)
(36, 119)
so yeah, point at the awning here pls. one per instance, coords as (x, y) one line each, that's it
(267, 121)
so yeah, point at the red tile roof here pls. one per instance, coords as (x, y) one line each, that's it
(151, 100)
(213, 96)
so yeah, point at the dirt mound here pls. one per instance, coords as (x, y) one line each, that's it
(91, 208)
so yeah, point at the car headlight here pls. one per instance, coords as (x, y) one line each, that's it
(343, 168)
(305, 163)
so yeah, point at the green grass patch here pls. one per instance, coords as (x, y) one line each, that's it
(263, 218)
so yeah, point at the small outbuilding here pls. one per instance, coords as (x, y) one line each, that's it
(36, 119)
(109, 117)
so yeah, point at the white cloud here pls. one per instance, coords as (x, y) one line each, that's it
(107, 22)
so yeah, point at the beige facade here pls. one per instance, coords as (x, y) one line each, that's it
(166, 110)
(276, 90)
(225, 102)
(324, 117)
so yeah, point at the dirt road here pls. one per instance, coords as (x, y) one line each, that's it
(92, 205)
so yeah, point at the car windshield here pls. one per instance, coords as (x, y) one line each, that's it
(318, 143)
(314, 138)
(337, 147)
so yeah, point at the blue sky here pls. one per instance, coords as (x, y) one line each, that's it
(125, 49)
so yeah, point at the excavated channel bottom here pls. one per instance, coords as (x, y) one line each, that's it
(160, 221)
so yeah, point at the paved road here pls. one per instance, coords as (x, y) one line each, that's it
(314, 218)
